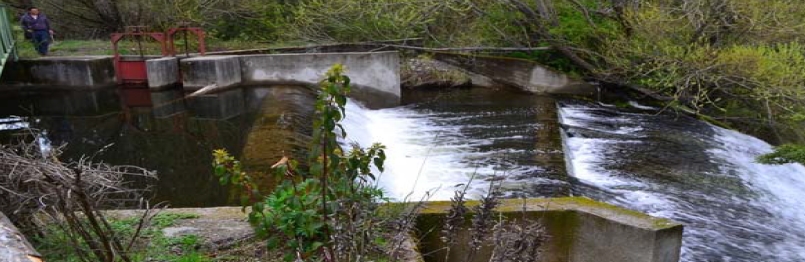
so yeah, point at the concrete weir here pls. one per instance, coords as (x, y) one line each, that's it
(66, 73)
(375, 76)
(523, 74)
(579, 230)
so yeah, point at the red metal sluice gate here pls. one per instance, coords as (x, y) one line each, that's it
(184, 29)
(130, 70)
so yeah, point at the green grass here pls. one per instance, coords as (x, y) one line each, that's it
(55, 244)
(130, 47)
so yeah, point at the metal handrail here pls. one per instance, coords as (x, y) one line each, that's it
(7, 42)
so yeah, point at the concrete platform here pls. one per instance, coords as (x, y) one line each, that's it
(162, 73)
(524, 74)
(375, 76)
(61, 73)
(580, 230)
(198, 72)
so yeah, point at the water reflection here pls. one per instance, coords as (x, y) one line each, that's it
(157, 130)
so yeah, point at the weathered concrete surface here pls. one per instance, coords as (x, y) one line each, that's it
(282, 128)
(73, 73)
(162, 72)
(375, 77)
(13, 245)
(198, 72)
(580, 230)
(223, 105)
(549, 151)
(524, 74)
(218, 228)
(426, 72)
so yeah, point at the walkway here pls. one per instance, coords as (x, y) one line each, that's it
(7, 43)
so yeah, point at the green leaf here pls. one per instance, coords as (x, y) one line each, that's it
(341, 100)
(258, 207)
(220, 170)
(273, 242)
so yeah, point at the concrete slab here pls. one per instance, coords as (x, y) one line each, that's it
(375, 77)
(198, 72)
(218, 228)
(162, 72)
(580, 230)
(524, 74)
(60, 73)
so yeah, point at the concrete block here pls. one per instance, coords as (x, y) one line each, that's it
(162, 72)
(524, 74)
(223, 105)
(199, 72)
(65, 73)
(375, 76)
(579, 230)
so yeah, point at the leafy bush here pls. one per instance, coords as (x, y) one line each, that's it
(328, 209)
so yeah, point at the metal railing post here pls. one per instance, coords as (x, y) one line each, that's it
(7, 44)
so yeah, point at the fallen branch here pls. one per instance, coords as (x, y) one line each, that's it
(474, 49)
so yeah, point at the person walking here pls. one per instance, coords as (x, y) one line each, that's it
(38, 26)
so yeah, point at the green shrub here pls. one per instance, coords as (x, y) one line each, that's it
(327, 209)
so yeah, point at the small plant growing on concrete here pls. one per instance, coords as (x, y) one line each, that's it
(510, 240)
(327, 210)
(519, 241)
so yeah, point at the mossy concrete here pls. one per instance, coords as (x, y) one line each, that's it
(524, 74)
(282, 128)
(580, 230)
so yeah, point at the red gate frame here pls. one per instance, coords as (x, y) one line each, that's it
(198, 32)
(133, 72)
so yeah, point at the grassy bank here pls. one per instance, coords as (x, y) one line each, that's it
(153, 245)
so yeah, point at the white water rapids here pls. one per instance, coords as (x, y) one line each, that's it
(700, 175)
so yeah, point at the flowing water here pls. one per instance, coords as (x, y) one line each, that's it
(445, 139)
(664, 164)
(703, 176)
(661, 163)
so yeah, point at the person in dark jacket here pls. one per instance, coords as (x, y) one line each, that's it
(38, 25)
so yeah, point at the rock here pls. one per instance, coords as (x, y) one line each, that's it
(13, 245)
